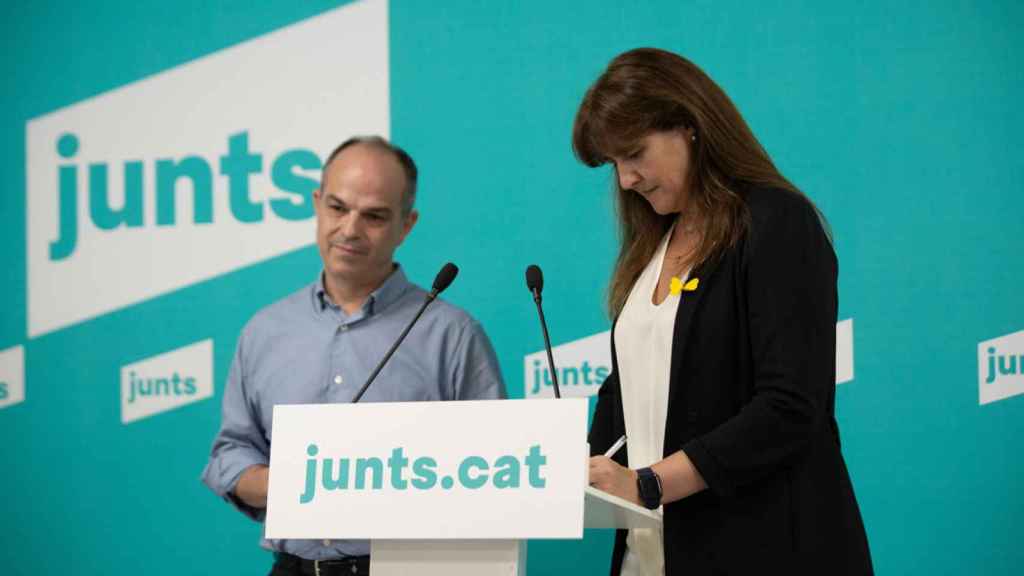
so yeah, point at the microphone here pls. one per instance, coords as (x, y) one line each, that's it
(443, 279)
(535, 282)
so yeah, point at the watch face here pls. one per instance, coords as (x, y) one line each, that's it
(649, 486)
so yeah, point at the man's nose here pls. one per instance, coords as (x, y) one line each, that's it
(349, 225)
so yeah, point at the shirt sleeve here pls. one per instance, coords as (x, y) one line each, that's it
(790, 275)
(477, 375)
(241, 441)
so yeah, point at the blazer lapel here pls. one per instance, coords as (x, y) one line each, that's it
(688, 303)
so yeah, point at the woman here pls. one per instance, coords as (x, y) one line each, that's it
(723, 347)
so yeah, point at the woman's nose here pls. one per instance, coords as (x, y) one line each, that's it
(628, 178)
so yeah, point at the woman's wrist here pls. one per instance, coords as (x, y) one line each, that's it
(649, 488)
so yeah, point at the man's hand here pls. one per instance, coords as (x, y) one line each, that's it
(608, 476)
(252, 486)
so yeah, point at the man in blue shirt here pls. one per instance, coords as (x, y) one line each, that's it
(320, 344)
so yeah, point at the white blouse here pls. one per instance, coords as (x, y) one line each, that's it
(643, 347)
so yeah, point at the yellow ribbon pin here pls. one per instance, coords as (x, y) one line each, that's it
(676, 286)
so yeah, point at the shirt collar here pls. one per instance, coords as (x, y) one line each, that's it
(393, 287)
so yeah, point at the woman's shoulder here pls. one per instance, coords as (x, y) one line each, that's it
(766, 203)
(780, 216)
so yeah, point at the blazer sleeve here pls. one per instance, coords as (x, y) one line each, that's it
(602, 428)
(609, 423)
(789, 269)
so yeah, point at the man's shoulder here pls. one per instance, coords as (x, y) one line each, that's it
(452, 314)
(442, 313)
(283, 312)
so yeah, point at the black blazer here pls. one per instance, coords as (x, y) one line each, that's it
(751, 402)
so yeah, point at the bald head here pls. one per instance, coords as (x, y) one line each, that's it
(379, 150)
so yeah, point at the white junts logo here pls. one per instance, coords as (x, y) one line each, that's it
(844, 351)
(584, 364)
(167, 381)
(199, 170)
(1001, 368)
(12, 376)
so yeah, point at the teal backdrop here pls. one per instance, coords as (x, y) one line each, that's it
(901, 121)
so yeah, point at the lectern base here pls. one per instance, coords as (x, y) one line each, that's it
(448, 557)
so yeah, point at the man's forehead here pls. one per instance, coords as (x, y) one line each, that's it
(365, 171)
(369, 158)
(352, 198)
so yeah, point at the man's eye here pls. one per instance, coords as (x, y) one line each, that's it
(635, 154)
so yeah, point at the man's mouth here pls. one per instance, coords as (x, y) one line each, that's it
(348, 249)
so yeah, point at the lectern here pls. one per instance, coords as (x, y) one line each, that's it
(447, 488)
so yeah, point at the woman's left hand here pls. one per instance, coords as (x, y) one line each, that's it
(606, 475)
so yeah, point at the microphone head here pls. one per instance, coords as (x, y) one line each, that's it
(444, 278)
(534, 279)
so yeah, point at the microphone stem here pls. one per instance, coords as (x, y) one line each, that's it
(547, 344)
(430, 298)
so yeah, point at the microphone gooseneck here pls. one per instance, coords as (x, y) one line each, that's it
(443, 279)
(535, 282)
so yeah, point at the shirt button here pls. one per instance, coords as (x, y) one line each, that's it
(337, 379)
(343, 327)
(327, 542)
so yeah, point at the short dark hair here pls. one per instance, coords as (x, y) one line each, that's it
(404, 160)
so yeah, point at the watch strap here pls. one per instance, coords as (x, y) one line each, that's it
(648, 484)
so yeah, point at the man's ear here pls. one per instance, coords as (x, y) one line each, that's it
(410, 221)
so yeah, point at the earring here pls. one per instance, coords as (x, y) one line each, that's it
(693, 137)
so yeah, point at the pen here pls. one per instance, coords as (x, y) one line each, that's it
(615, 447)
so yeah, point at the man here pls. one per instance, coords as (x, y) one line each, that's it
(320, 344)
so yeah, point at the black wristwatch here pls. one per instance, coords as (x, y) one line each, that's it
(649, 485)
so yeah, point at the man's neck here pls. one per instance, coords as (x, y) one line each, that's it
(350, 296)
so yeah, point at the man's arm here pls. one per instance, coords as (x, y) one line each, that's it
(240, 448)
(252, 486)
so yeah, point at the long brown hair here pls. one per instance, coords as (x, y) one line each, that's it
(649, 90)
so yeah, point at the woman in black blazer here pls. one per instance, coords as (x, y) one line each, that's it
(729, 405)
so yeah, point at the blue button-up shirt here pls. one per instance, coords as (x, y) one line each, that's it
(305, 350)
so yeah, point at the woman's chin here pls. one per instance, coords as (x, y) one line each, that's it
(663, 204)
(663, 208)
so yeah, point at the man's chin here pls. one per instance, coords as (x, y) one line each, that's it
(356, 271)
(345, 270)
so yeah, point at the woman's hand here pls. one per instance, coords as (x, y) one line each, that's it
(607, 476)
